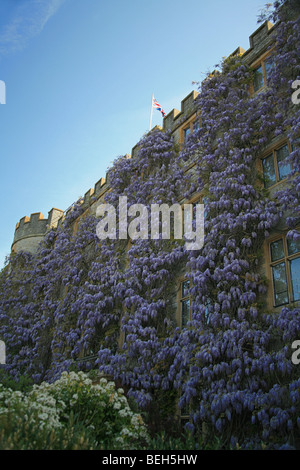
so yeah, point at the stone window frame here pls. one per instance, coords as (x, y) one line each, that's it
(260, 62)
(286, 259)
(272, 152)
(188, 125)
(183, 298)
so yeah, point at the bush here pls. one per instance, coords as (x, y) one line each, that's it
(17, 433)
(186, 441)
(23, 384)
(69, 413)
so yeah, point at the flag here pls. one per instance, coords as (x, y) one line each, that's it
(157, 106)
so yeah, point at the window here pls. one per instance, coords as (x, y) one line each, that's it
(184, 306)
(195, 125)
(187, 132)
(275, 166)
(262, 72)
(189, 129)
(185, 303)
(258, 80)
(285, 267)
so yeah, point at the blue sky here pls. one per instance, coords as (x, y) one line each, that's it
(79, 78)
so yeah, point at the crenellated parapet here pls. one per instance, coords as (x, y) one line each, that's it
(30, 231)
(99, 189)
(260, 40)
(89, 198)
(175, 117)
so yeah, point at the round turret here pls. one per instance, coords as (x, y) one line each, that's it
(30, 231)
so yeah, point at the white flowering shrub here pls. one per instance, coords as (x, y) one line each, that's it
(100, 412)
(102, 408)
(37, 408)
(32, 421)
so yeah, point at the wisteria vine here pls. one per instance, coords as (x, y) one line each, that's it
(113, 302)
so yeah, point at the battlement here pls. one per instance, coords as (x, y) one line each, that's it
(93, 194)
(259, 41)
(31, 230)
(135, 149)
(175, 117)
(258, 37)
(35, 224)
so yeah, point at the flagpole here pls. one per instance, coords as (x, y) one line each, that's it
(151, 112)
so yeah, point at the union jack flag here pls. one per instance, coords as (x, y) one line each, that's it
(157, 106)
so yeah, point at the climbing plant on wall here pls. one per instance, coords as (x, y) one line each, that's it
(231, 364)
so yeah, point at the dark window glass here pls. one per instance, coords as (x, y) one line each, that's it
(296, 144)
(187, 132)
(269, 65)
(293, 246)
(277, 250)
(269, 171)
(196, 125)
(185, 312)
(185, 289)
(295, 278)
(280, 284)
(258, 78)
(284, 168)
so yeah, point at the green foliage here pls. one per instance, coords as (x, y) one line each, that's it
(163, 441)
(23, 384)
(16, 433)
(162, 412)
(67, 414)
(77, 413)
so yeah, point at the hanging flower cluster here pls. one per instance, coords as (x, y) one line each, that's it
(111, 304)
(234, 370)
